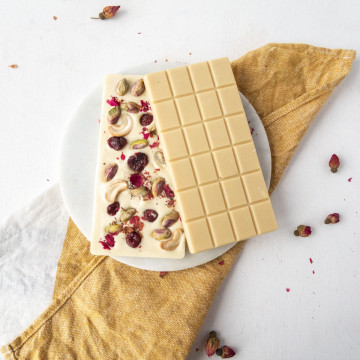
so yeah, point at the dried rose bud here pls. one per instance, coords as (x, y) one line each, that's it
(334, 163)
(332, 218)
(225, 352)
(212, 344)
(163, 273)
(110, 11)
(303, 231)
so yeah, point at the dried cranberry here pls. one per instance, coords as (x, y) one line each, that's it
(146, 119)
(133, 239)
(113, 208)
(138, 161)
(117, 142)
(150, 215)
(137, 180)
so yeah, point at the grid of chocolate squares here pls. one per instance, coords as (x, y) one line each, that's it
(207, 144)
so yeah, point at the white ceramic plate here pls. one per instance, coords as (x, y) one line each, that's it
(78, 165)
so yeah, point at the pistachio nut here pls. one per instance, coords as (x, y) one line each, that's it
(126, 215)
(140, 191)
(161, 234)
(158, 186)
(170, 219)
(174, 242)
(123, 128)
(110, 172)
(139, 144)
(114, 115)
(112, 229)
(138, 88)
(159, 158)
(114, 189)
(122, 87)
(132, 107)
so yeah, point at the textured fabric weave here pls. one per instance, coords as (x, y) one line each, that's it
(103, 309)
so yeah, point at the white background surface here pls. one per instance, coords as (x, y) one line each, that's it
(60, 61)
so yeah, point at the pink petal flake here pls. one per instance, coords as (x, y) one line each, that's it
(349, 179)
(155, 144)
(287, 289)
(311, 260)
(139, 33)
(122, 157)
(105, 245)
(114, 101)
(110, 240)
(145, 106)
(145, 133)
(168, 191)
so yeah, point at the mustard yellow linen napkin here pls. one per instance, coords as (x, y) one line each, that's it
(103, 309)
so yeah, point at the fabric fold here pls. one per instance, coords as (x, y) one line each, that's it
(103, 309)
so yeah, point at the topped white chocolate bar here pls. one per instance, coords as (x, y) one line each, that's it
(135, 212)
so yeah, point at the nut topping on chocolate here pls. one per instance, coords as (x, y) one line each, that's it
(170, 219)
(139, 144)
(112, 229)
(123, 128)
(174, 242)
(138, 88)
(133, 107)
(158, 186)
(141, 191)
(114, 189)
(110, 172)
(161, 234)
(122, 87)
(114, 115)
(127, 214)
(159, 158)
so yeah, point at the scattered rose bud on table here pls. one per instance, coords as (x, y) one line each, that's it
(332, 218)
(163, 273)
(212, 344)
(107, 13)
(13, 66)
(334, 163)
(225, 352)
(303, 231)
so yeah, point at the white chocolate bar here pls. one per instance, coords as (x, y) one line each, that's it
(148, 247)
(207, 144)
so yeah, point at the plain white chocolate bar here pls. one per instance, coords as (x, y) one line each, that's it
(208, 146)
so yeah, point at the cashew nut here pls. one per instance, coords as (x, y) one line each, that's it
(124, 126)
(114, 189)
(174, 242)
